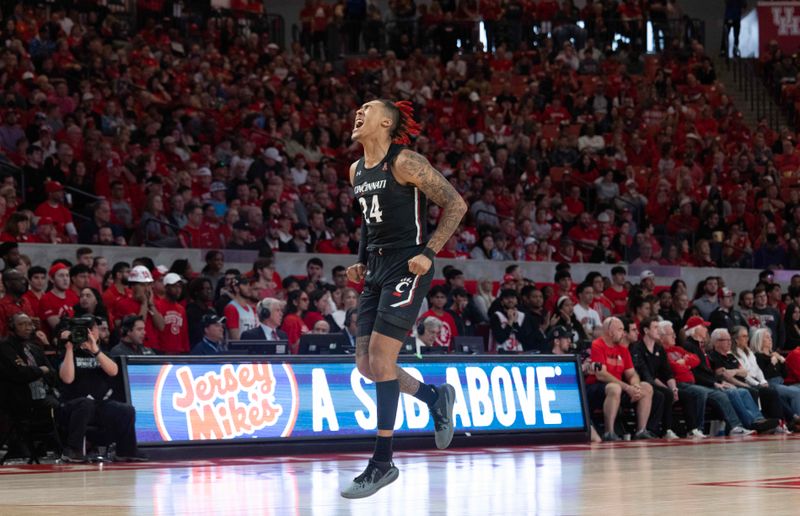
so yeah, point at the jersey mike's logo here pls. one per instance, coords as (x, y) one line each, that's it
(225, 401)
(402, 286)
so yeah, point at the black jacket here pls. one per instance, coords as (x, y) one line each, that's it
(651, 366)
(527, 333)
(15, 392)
(703, 374)
(721, 318)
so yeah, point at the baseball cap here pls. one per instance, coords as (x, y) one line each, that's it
(273, 154)
(647, 274)
(217, 186)
(695, 321)
(559, 332)
(508, 277)
(727, 292)
(530, 240)
(44, 221)
(210, 319)
(53, 186)
(603, 217)
(172, 278)
(203, 171)
(55, 268)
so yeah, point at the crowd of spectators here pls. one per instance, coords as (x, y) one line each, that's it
(209, 137)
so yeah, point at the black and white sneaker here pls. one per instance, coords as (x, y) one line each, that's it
(376, 476)
(442, 413)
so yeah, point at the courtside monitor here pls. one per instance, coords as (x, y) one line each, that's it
(471, 345)
(324, 344)
(259, 347)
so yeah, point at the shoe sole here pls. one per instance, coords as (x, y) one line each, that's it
(387, 479)
(445, 437)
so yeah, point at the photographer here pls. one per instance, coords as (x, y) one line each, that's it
(86, 372)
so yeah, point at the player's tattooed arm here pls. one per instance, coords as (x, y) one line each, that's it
(413, 168)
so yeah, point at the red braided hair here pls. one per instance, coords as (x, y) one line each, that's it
(406, 125)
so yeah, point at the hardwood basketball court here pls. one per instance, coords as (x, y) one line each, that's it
(750, 475)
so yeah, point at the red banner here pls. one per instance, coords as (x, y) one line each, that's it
(779, 21)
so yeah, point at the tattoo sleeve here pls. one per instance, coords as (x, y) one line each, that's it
(415, 169)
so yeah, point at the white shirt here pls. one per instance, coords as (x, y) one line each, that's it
(589, 319)
(271, 334)
(755, 376)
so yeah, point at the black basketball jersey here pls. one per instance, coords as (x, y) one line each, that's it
(394, 213)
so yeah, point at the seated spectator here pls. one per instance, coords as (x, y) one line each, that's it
(213, 336)
(270, 315)
(652, 366)
(26, 376)
(613, 380)
(773, 366)
(54, 209)
(427, 333)
(86, 372)
(585, 314)
(197, 233)
(131, 341)
(199, 297)
(350, 326)
(513, 329)
(437, 302)
(240, 315)
(321, 327)
(297, 303)
(747, 412)
(89, 232)
(726, 316)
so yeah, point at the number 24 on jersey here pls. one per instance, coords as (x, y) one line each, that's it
(372, 213)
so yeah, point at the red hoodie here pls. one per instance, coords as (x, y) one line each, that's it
(793, 367)
(683, 372)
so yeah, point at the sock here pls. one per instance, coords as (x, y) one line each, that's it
(427, 393)
(383, 449)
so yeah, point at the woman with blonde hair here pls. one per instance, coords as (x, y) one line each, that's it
(773, 365)
(483, 297)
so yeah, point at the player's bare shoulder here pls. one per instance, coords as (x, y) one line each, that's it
(353, 168)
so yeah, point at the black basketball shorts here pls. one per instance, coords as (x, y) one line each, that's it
(392, 296)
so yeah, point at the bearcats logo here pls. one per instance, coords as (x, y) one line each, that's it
(225, 401)
(402, 286)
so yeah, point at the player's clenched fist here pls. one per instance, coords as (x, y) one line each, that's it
(419, 265)
(356, 272)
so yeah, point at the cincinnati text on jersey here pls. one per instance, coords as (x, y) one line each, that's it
(369, 187)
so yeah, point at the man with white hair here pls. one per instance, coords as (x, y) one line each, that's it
(696, 337)
(692, 395)
(613, 380)
(270, 314)
(728, 367)
(430, 326)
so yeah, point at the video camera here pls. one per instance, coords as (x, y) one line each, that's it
(78, 328)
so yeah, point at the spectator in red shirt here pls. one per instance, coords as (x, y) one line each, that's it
(320, 308)
(617, 293)
(197, 233)
(142, 303)
(60, 300)
(437, 299)
(296, 305)
(339, 244)
(54, 208)
(614, 381)
(174, 338)
(14, 302)
(37, 283)
(584, 233)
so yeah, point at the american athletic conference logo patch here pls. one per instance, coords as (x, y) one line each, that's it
(225, 401)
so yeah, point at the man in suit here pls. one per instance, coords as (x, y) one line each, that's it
(270, 314)
(350, 326)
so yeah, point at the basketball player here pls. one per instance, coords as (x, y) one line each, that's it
(395, 259)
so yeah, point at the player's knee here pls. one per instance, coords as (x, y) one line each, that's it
(647, 389)
(381, 369)
(613, 390)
